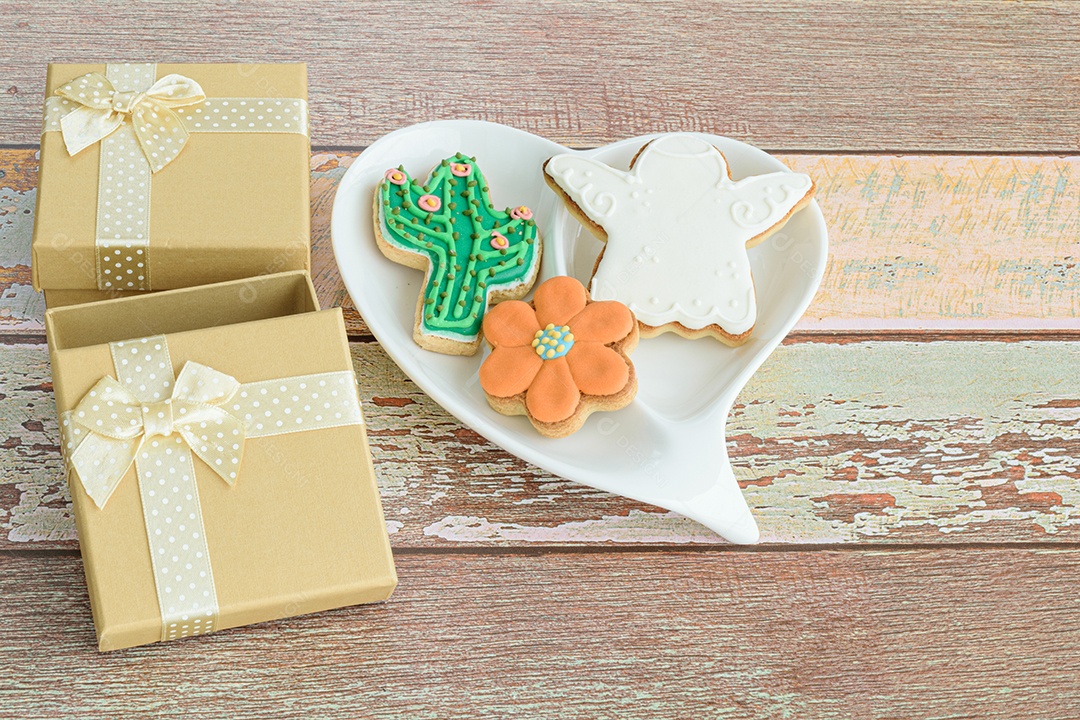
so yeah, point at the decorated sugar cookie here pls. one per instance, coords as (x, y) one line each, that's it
(559, 358)
(472, 255)
(677, 228)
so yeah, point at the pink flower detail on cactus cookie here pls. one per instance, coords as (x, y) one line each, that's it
(521, 213)
(460, 169)
(499, 241)
(429, 203)
(395, 176)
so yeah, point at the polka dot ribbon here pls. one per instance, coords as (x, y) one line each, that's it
(100, 109)
(143, 124)
(146, 418)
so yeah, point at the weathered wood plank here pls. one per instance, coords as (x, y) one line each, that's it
(987, 76)
(868, 442)
(924, 242)
(327, 169)
(727, 635)
(21, 309)
(947, 242)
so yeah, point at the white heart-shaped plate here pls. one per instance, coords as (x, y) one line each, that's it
(667, 448)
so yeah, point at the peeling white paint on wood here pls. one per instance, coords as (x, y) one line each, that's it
(22, 308)
(29, 454)
(636, 527)
(860, 442)
(16, 224)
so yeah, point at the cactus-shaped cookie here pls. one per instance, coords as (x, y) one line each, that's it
(473, 255)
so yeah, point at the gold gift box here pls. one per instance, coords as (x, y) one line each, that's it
(302, 528)
(231, 205)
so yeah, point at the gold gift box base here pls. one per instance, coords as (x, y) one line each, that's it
(302, 529)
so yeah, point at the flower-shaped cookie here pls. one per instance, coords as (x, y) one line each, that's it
(559, 358)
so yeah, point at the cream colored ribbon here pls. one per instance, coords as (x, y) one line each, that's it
(146, 418)
(143, 124)
(101, 109)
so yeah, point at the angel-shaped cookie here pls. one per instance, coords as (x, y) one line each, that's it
(677, 228)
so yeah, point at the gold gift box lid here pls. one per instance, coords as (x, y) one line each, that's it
(230, 205)
(302, 528)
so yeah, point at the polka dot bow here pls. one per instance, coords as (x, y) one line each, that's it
(118, 428)
(102, 109)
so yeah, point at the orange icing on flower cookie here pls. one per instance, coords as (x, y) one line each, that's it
(556, 350)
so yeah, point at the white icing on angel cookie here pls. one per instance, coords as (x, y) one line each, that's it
(678, 229)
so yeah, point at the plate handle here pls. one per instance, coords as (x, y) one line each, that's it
(722, 507)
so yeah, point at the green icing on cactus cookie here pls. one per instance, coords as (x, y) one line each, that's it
(474, 249)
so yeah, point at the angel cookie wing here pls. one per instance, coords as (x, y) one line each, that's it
(598, 190)
(763, 202)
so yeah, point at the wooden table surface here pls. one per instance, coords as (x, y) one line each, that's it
(911, 453)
